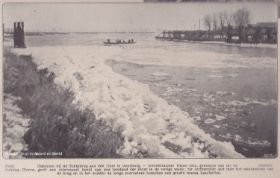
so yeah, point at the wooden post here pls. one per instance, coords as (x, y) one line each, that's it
(22, 35)
(3, 31)
(15, 34)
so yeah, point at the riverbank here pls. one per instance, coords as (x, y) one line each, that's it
(56, 127)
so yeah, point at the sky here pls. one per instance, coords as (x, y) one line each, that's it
(111, 17)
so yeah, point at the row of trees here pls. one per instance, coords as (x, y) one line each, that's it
(219, 22)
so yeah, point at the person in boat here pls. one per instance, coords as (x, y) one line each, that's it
(108, 41)
(132, 41)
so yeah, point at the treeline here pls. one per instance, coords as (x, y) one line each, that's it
(224, 19)
(238, 25)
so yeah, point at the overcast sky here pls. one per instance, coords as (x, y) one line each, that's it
(97, 17)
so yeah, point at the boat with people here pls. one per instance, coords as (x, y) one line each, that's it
(116, 42)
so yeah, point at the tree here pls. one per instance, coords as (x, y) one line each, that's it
(241, 20)
(242, 17)
(228, 18)
(215, 22)
(222, 21)
(229, 21)
(208, 22)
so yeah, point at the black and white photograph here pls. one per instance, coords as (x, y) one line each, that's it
(150, 79)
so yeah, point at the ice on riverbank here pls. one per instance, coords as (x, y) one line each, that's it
(148, 124)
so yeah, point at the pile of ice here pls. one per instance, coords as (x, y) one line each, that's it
(149, 125)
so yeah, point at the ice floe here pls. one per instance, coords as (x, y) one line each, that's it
(160, 74)
(209, 121)
(248, 141)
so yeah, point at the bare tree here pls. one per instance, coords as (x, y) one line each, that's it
(242, 17)
(242, 20)
(228, 18)
(208, 22)
(221, 19)
(215, 21)
(222, 22)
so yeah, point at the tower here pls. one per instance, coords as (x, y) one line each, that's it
(19, 41)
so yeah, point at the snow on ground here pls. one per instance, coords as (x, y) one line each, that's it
(148, 124)
(15, 126)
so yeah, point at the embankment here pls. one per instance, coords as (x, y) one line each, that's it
(56, 124)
